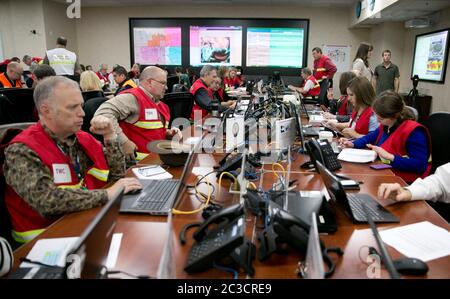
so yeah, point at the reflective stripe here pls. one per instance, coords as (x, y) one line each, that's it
(70, 62)
(24, 237)
(141, 156)
(76, 186)
(150, 125)
(321, 69)
(100, 174)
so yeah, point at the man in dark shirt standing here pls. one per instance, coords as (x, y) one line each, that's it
(386, 75)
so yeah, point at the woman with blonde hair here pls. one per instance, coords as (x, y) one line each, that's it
(89, 81)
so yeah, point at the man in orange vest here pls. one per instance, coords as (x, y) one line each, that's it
(324, 68)
(53, 167)
(11, 78)
(138, 115)
(311, 88)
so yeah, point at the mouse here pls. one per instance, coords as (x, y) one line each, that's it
(411, 266)
(133, 192)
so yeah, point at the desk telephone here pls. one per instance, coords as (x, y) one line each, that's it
(219, 237)
(321, 150)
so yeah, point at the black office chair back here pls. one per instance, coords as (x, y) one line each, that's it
(438, 125)
(89, 109)
(171, 81)
(179, 88)
(7, 133)
(87, 95)
(180, 104)
(17, 105)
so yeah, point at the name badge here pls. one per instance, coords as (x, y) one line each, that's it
(151, 114)
(61, 174)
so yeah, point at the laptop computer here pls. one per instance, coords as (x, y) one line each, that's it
(351, 202)
(158, 197)
(88, 254)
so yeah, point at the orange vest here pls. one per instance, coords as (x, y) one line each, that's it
(198, 84)
(7, 84)
(319, 68)
(315, 91)
(26, 222)
(396, 145)
(149, 126)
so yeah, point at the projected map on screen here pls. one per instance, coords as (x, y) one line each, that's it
(275, 47)
(215, 45)
(157, 45)
(429, 59)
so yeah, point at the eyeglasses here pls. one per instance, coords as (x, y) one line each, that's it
(162, 83)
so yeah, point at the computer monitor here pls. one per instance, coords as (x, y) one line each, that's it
(93, 245)
(298, 123)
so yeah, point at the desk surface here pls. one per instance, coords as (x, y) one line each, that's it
(144, 236)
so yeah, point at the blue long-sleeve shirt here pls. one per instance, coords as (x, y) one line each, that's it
(416, 147)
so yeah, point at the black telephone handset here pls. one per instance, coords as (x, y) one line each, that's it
(221, 218)
(321, 150)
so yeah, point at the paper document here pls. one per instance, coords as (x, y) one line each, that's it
(151, 172)
(113, 251)
(50, 252)
(357, 155)
(315, 118)
(422, 240)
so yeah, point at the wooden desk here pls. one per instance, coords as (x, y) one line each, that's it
(144, 236)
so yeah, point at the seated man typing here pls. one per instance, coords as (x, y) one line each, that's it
(53, 167)
(311, 87)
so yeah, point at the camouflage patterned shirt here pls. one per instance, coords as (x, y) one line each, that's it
(33, 181)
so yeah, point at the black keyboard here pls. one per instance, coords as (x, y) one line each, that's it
(222, 243)
(376, 211)
(155, 195)
(38, 273)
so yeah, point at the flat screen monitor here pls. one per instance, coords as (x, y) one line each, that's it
(275, 47)
(221, 45)
(154, 45)
(430, 56)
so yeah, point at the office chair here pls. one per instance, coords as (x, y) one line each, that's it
(7, 133)
(179, 88)
(414, 112)
(438, 125)
(180, 104)
(171, 81)
(87, 95)
(19, 106)
(89, 109)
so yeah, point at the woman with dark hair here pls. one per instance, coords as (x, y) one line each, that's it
(340, 109)
(399, 140)
(362, 120)
(361, 63)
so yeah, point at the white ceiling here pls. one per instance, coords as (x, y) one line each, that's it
(92, 3)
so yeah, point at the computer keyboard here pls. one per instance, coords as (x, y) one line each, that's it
(155, 195)
(373, 208)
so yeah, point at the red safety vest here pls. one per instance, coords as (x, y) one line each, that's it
(362, 124)
(149, 126)
(26, 222)
(102, 77)
(220, 93)
(396, 145)
(7, 84)
(235, 82)
(315, 91)
(198, 84)
(343, 102)
(320, 72)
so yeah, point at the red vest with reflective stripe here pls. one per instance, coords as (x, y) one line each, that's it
(362, 124)
(198, 84)
(145, 130)
(6, 84)
(343, 102)
(319, 68)
(315, 91)
(23, 216)
(396, 145)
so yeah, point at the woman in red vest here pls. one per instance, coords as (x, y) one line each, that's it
(231, 80)
(340, 109)
(362, 121)
(399, 140)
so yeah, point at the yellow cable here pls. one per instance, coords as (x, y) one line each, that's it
(177, 212)
(279, 166)
(220, 180)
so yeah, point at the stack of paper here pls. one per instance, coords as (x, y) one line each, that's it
(151, 172)
(357, 155)
(422, 240)
(315, 119)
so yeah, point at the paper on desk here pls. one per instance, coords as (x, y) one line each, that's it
(315, 118)
(151, 172)
(357, 155)
(422, 240)
(113, 251)
(50, 251)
